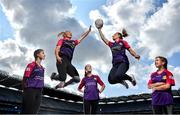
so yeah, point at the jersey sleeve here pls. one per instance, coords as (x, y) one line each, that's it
(150, 80)
(170, 79)
(110, 44)
(99, 81)
(60, 42)
(28, 70)
(126, 44)
(76, 42)
(81, 84)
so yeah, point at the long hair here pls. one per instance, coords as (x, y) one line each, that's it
(85, 74)
(64, 34)
(164, 60)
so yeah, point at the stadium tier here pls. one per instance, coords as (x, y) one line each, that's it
(59, 101)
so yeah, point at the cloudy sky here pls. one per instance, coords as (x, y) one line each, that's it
(153, 26)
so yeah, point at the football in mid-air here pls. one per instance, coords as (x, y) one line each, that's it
(99, 23)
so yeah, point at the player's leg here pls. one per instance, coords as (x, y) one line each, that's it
(121, 73)
(72, 71)
(114, 79)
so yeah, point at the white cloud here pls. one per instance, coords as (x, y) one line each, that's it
(128, 14)
(95, 14)
(13, 56)
(36, 25)
(176, 73)
(99, 65)
(161, 33)
(151, 33)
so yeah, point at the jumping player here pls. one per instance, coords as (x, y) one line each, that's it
(33, 83)
(64, 54)
(120, 61)
(91, 92)
(161, 82)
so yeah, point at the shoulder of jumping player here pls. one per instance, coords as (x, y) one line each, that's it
(110, 43)
(60, 42)
(76, 41)
(126, 44)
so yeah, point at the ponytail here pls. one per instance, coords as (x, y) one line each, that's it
(61, 33)
(124, 33)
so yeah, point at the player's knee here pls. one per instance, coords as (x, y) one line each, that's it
(119, 76)
(112, 81)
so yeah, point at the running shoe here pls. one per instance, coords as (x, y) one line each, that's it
(60, 85)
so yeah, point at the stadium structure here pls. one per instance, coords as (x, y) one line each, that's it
(63, 102)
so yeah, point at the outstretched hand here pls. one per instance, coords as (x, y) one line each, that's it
(137, 57)
(85, 34)
(89, 28)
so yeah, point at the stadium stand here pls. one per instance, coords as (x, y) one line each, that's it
(58, 101)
